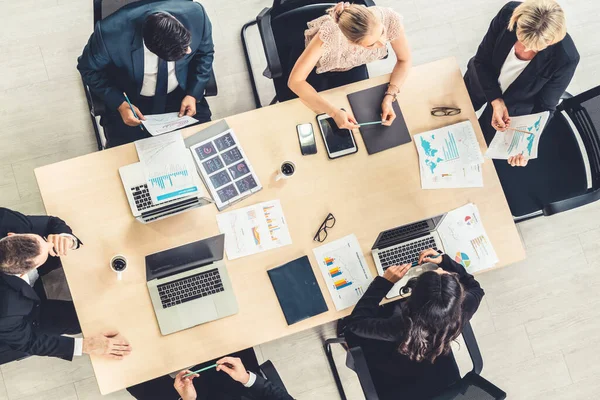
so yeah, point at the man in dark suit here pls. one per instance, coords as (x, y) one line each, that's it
(159, 53)
(30, 247)
(523, 65)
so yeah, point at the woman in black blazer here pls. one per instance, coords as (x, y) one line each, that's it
(523, 65)
(407, 343)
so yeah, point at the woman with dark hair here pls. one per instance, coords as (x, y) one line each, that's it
(408, 343)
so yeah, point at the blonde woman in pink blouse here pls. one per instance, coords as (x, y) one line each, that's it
(339, 44)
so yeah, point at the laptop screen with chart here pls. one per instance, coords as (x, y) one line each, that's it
(225, 168)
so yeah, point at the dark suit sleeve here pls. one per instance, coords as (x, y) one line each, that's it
(92, 64)
(47, 225)
(19, 335)
(473, 291)
(486, 73)
(265, 390)
(201, 64)
(364, 320)
(548, 97)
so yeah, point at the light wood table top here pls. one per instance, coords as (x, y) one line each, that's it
(367, 194)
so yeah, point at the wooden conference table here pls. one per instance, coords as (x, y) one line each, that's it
(367, 194)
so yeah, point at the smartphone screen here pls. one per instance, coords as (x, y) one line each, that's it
(306, 136)
(338, 140)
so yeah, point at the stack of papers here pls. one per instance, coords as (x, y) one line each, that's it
(512, 143)
(168, 167)
(345, 271)
(254, 229)
(450, 157)
(158, 124)
(465, 239)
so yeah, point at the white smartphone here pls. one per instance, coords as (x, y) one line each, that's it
(338, 142)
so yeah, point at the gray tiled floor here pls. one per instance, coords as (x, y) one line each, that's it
(538, 326)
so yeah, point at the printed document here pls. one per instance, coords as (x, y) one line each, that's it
(344, 270)
(157, 124)
(464, 177)
(254, 229)
(512, 143)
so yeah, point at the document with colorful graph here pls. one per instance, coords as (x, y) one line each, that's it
(344, 270)
(254, 229)
(465, 240)
(448, 149)
(514, 142)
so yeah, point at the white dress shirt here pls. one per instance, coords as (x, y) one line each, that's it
(32, 276)
(151, 73)
(511, 69)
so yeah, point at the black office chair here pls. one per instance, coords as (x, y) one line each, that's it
(102, 9)
(557, 180)
(470, 387)
(281, 29)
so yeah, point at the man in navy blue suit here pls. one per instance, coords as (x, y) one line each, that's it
(159, 53)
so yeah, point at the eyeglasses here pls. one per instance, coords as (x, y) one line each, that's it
(444, 111)
(322, 233)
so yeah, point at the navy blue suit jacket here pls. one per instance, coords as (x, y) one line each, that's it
(113, 60)
(539, 87)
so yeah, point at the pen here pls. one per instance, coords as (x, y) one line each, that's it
(370, 123)
(519, 130)
(132, 110)
(417, 263)
(200, 370)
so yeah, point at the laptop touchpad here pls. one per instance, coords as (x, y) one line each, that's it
(198, 311)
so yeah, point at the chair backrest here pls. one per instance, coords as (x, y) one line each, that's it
(472, 387)
(104, 8)
(584, 111)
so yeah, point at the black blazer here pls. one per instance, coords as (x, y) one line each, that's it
(113, 60)
(265, 390)
(539, 87)
(19, 303)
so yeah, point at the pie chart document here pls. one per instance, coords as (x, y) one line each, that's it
(465, 239)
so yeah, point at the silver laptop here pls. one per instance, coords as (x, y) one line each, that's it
(403, 245)
(189, 285)
(140, 201)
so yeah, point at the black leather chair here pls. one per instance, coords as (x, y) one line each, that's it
(557, 180)
(281, 29)
(470, 387)
(102, 9)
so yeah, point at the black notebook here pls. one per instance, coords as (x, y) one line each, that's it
(297, 290)
(366, 106)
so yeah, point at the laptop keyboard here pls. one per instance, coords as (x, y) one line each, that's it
(141, 196)
(190, 288)
(405, 253)
(403, 231)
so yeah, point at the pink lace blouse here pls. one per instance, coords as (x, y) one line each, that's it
(339, 54)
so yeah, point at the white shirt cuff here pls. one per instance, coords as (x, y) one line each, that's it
(78, 349)
(251, 380)
(73, 238)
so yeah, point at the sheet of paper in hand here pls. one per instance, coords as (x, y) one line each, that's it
(514, 142)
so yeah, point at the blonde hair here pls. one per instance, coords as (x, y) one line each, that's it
(355, 21)
(539, 23)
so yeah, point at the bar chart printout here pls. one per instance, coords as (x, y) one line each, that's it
(345, 270)
(168, 167)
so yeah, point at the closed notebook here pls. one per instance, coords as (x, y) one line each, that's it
(297, 290)
(366, 106)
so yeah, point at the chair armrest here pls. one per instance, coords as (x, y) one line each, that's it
(574, 202)
(362, 371)
(473, 348)
(369, 3)
(97, 106)
(270, 373)
(211, 86)
(268, 41)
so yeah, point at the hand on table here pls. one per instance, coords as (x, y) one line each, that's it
(109, 344)
(396, 272)
(233, 367)
(518, 161)
(500, 117)
(344, 119)
(388, 115)
(61, 244)
(185, 386)
(127, 115)
(188, 106)
(426, 255)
